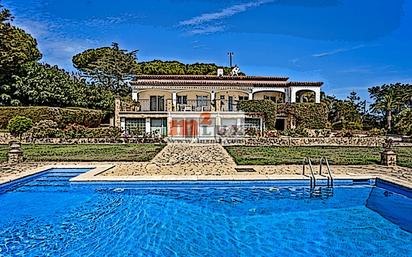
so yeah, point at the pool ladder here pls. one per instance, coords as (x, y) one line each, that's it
(323, 160)
(329, 175)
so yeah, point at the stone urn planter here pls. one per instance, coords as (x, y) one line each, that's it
(15, 154)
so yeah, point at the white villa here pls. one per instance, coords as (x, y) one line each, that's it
(199, 106)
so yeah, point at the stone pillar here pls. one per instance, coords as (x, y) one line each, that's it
(15, 153)
(388, 156)
(117, 107)
(250, 96)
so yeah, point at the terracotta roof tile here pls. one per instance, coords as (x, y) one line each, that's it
(210, 77)
(158, 82)
(212, 80)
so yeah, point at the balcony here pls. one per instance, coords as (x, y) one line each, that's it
(166, 105)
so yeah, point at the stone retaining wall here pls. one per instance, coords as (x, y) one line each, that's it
(320, 141)
(5, 138)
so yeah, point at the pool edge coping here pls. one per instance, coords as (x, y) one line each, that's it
(96, 170)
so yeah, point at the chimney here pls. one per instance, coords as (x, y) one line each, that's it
(220, 72)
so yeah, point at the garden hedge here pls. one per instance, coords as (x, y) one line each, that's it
(267, 107)
(62, 116)
(307, 115)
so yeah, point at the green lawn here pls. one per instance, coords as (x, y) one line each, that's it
(87, 152)
(267, 155)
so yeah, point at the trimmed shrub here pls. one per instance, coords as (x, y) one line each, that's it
(62, 116)
(18, 125)
(46, 129)
(75, 131)
(105, 132)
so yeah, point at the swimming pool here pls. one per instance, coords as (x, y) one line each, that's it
(46, 215)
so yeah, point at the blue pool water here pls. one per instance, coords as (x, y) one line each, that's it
(46, 215)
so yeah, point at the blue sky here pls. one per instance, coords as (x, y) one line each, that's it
(348, 44)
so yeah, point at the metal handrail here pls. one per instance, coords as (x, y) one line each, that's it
(330, 178)
(312, 177)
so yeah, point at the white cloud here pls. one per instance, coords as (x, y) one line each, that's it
(207, 29)
(202, 24)
(224, 13)
(337, 51)
(112, 20)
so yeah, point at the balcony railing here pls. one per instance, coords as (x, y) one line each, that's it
(166, 105)
(194, 106)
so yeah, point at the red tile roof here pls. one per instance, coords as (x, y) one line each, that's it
(211, 77)
(239, 83)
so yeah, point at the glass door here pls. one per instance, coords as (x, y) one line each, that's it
(157, 103)
(230, 104)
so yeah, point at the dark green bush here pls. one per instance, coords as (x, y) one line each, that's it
(19, 125)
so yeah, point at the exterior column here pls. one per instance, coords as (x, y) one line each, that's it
(135, 96)
(250, 96)
(292, 95)
(117, 107)
(317, 95)
(147, 127)
(174, 100)
(213, 100)
(123, 124)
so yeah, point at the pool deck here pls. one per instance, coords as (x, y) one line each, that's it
(200, 162)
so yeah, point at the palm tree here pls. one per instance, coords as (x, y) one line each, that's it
(386, 102)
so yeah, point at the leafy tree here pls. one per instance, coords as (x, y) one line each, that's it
(42, 84)
(110, 67)
(404, 122)
(157, 67)
(5, 14)
(16, 47)
(343, 114)
(18, 125)
(356, 101)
